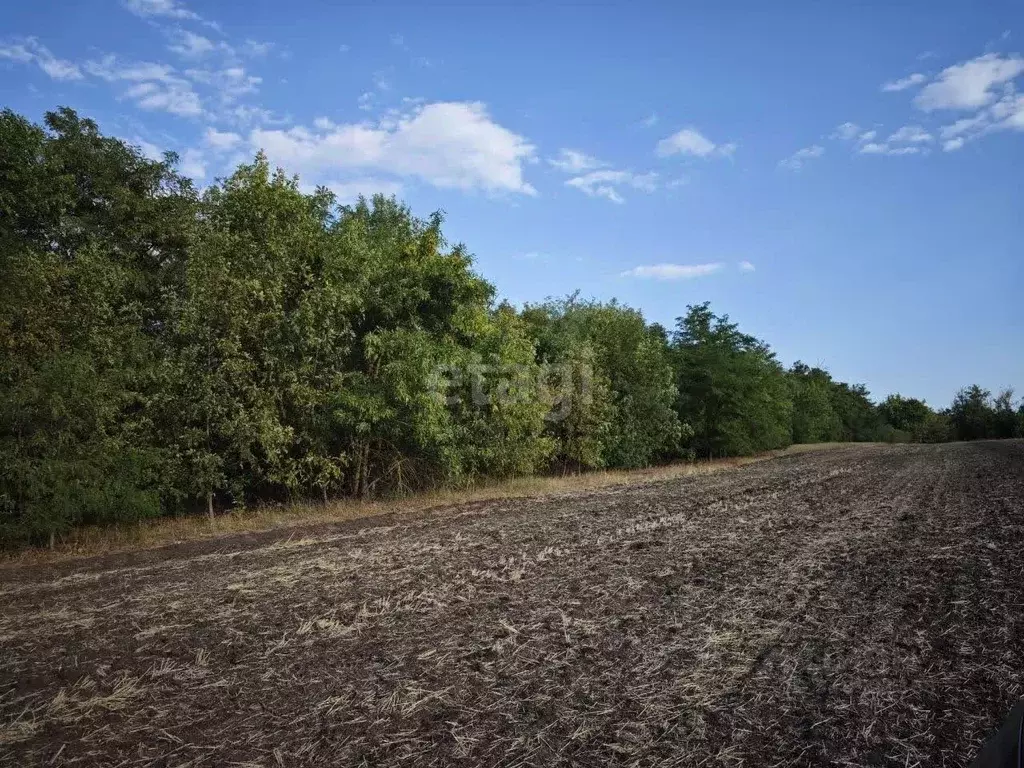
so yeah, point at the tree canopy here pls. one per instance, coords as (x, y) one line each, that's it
(168, 350)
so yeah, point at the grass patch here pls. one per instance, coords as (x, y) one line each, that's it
(95, 540)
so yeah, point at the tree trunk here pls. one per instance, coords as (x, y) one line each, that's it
(364, 486)
(209, 505)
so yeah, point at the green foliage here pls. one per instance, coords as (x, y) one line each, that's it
(731, 388)
(166, 352)
(936, 428)
(904, 413)
(975, 415)
(814, 419)
(91, 235)
(628, 419)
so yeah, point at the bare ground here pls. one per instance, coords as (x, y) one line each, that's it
(862, 606)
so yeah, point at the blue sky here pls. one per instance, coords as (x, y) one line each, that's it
(845, 182)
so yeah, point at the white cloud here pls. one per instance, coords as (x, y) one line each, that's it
(192, 46)
(874, 148)
(903, 83)
(221, 141)
(746, 266)
(574, 161)
(153, 86)
(176, 98)
(796, 161)
(690, 141)
(969, 85)
(149, 150)
(908, 140)
(382, 80)
(170, 9)
(257, 48)
(229, 83)
(845, 132)
(344, 48)
(650, 121)
(911, 134)
(447, 144)
(193, 164)
(606, 183)
(1005, 114)
(673, 271)
(1008, 112)
(29, 50)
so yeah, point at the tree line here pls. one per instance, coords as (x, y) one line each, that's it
(173, 351)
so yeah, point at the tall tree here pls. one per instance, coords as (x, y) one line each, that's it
(731, 388)
(92, 240)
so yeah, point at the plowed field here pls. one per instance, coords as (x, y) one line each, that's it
(858, 606)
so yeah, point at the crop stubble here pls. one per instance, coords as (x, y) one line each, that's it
(861, 606)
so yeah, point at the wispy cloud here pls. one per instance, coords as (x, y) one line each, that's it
(910, 134)
(845, 132)
(673, 271)
(29, 50)
(876, 148)
(690, 141)
(574, 161)
(650, 121)
(221, 141)
(193, 46)
(150, 85)
(608, 183)
(797, 160)
(971, 84)
(193, 164)
(746, 266)
(903, 83)
(170, 9)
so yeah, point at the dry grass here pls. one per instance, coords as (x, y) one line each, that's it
(93, 540)
(855, 608)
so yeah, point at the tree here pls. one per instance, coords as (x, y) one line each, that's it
(1004, 420)
(731, 388)
(907, 414)
(92, 241)
(971, 413)
(814, 419)
(630, 362)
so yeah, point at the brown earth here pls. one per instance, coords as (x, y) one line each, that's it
(862, 606)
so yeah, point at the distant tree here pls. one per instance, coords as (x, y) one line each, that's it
(165, 351)
(971, 414)
(814, 419)
(1005, 422)
(631, 412)
(936, 428)
(904, 413)
(732, 390)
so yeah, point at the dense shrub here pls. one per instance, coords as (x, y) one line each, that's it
(166, 351)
